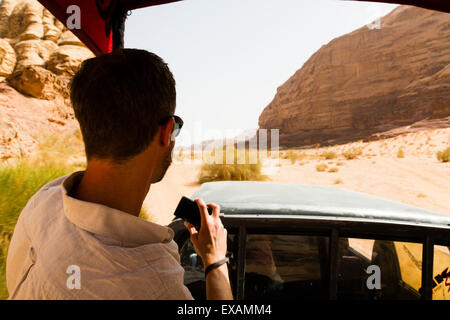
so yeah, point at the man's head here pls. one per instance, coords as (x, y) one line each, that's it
(119, 100)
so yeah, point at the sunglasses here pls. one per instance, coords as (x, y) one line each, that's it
(178, 124)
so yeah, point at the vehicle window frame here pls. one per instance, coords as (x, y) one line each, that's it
(334, 230)
(325, 275)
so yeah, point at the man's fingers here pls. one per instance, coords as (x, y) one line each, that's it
(215, 211)
(187, 225)
(203, 212)
(192, 230)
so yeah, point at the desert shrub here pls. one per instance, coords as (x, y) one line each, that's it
(352, 153)
(444, 155)
(144, 214)
(232, 172)
(291, 155)
(328, 155)
(338, 181)
(18, 182)
(321, 167)
(56, 155)
(334, 169)
(421, 195)
(400, 153)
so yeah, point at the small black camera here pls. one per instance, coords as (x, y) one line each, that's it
(188, 210)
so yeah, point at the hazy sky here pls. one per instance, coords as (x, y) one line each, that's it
(229, 56)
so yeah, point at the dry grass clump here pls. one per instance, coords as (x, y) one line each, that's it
(232, 171)
(328, 155)
(352, 153)
(56, 155)
(293, 156)
(144, 214)
(321, 167)
(444, 155)
(338, 181)
(421, 195)
(334, 169)
(400, 153)
(340, 163)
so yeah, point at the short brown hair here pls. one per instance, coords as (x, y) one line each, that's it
(118, 99)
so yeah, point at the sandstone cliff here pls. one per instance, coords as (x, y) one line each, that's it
(38, 56)
(370, 80)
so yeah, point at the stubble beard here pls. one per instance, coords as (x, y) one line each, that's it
(165, 164)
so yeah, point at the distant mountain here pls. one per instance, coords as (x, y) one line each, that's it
(243, 137)
(370, 80)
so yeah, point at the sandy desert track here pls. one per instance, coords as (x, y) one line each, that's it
(418, 179)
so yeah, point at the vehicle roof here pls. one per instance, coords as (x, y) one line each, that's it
(260, 199)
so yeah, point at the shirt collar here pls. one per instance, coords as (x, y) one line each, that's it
(109, 222)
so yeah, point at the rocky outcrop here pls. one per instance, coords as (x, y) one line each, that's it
(367, 81)
(7, 58)
(38, 57)
(66, 59)
(31, 36)
(23, 119)
(40, 83)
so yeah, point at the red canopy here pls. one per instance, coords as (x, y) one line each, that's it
(102, 20)
(96, 18)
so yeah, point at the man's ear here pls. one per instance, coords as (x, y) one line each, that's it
(166, 133)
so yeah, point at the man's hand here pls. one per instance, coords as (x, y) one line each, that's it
(210, 243)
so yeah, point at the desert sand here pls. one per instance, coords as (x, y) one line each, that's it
(417, 179)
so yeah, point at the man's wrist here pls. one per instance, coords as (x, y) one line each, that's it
(209, 260)
(221, 270)
(215, 265)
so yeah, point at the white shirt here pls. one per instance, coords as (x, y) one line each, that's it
(65, 248)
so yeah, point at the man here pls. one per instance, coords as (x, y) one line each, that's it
(80, 236)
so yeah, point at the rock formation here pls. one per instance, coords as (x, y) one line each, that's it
(370, 80)
(38, 56)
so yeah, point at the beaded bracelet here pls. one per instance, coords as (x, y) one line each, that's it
(215, 265)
